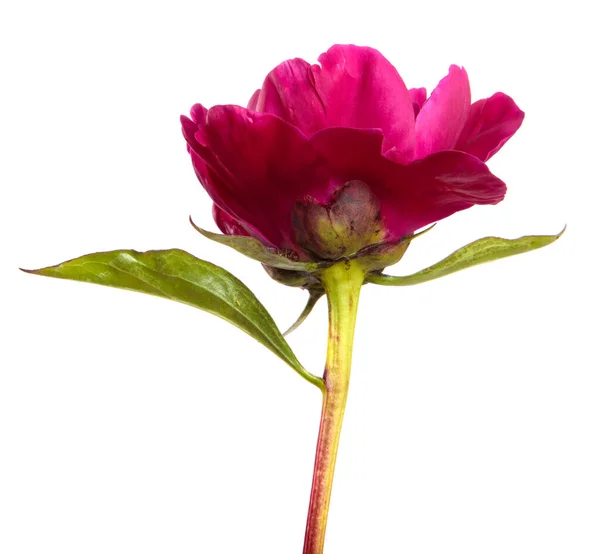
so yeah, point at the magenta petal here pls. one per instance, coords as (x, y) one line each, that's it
(189, 129)
(215, 186)
(228, 224)
(215, 178)
(360, 88)
(200, 168)
(289, 93)
(492, 121)
(252, 103)
(443, 116)
(445, 183)
(258, 166)
(354, 87)
(192, 128)
(207, 167)
(417, 97)
(410, 196)
(198, 113)
(353, 154)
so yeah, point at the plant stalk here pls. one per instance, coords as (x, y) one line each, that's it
(342, 283)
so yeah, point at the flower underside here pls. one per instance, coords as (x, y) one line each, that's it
(332, 158)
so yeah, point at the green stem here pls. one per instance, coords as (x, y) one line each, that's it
(342, 283)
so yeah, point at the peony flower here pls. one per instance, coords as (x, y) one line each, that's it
(325, 178)
(331, 159)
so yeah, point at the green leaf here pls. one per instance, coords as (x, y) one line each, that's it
(179, 276)
(478, 252)
(253, 248)
(313, 298)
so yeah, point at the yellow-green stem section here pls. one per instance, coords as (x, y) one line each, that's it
(342, 283)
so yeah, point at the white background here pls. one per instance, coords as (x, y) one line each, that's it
(129, 424)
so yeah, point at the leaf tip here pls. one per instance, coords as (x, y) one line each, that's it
(40, 271)
(553, 238)
(426, 230)
(562, 232)
(314, 296)
(199, 229)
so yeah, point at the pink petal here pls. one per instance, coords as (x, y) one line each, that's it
(257, 167)
(411, 196)
(354, 87)
(417, 97)
(443, 116)
(491, 123)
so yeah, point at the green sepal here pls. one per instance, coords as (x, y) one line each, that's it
(314, 295)
(290, 278)
(478, 252)
(253, 248)
(179, 276)
(378, 256)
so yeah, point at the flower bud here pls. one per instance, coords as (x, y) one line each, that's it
(348, 223)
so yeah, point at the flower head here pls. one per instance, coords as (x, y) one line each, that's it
(331, 159)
